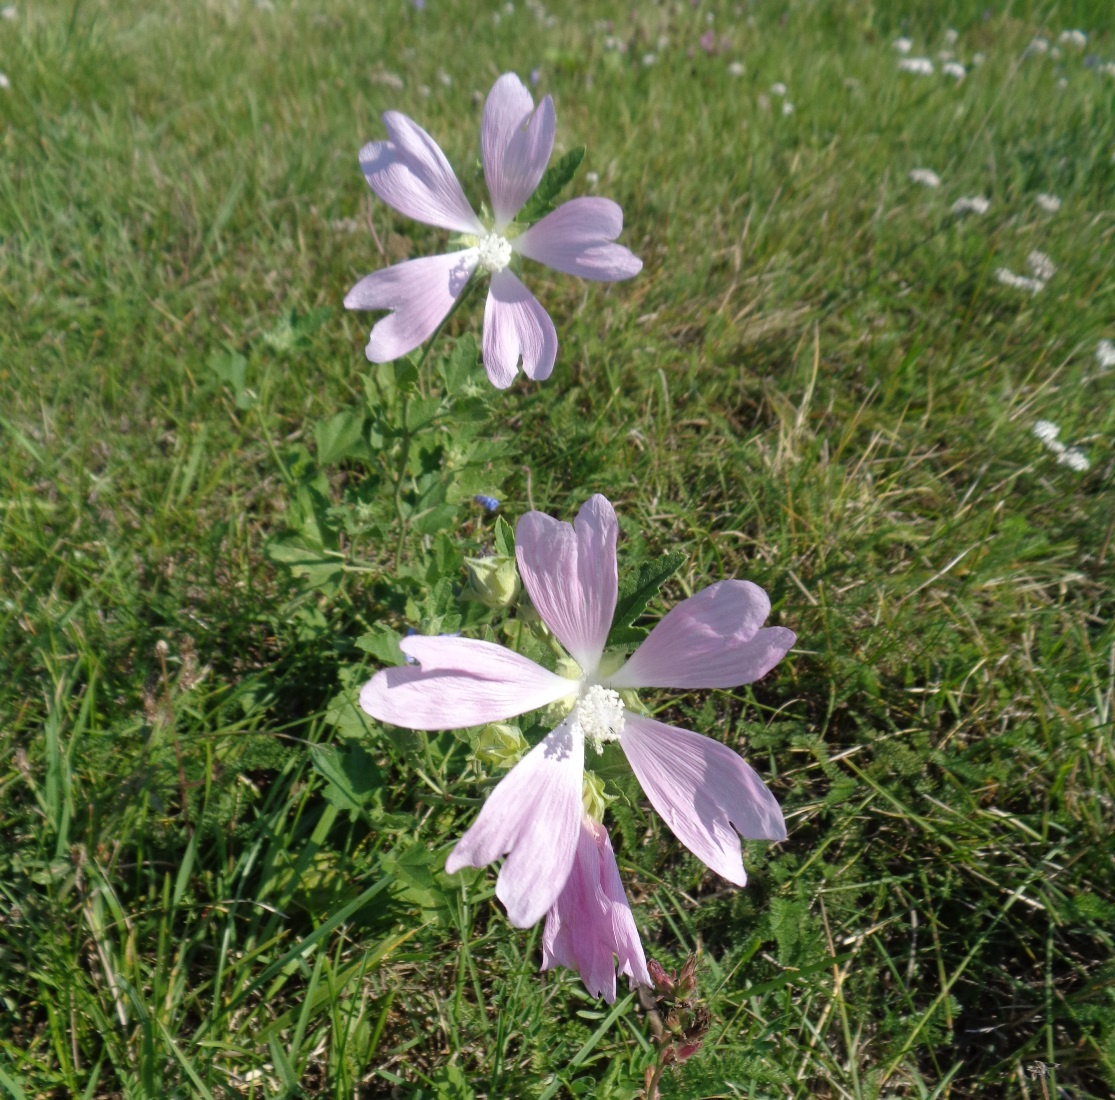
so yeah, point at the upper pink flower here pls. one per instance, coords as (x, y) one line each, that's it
(410, 173)
(591, 921)
(706, 793)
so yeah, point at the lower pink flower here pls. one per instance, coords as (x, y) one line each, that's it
(590, 928)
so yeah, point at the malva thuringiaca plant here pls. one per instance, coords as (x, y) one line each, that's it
(535, 817)
(544, 817)
(410, 173)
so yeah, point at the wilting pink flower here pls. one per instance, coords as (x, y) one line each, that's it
(704, 790)
(410, 173)
(590, 928)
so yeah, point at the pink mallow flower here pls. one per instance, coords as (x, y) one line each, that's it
(591, 920)
(705, 792)
(410, 173)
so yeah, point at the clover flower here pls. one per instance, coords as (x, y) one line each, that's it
(591, 920)
(703, 790)
(1049, 203)
(1041, 266)
(925, 176)
(971, 204)
(1072, 457)
(1007, 277)
(411, 174)
(921, 66)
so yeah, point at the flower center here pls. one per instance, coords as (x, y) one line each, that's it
(599, 713)
(495, 252)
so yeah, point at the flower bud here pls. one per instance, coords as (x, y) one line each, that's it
(494, 581)
(593, 798)
(500, 744)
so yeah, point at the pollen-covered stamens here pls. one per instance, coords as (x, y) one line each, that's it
(495, 252)
(599, 713)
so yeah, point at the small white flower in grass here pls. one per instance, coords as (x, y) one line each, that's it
(787, 108)
(1038, 45)
(1018, 282)
(1046, 431)
(649, 59)
(1049, 203)
(1105, 353)
(925, 176)
(778, 88)
(5, 83)
(978, 59)
(971, 204)
(410, 173)
(1075, 459)
(1074, 38)
(903, 45)
(8, 12)
(736, 68)
(922, 66)
(955, 70)
(703, 790)
(1041, 266)
(951, 36)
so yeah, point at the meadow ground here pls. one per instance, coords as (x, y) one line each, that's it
(219, 879)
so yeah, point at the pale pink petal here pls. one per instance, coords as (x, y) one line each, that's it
(714, 639)
(570, 575)
(590, 929)
(459, 682)
(419, 292)
(411, 174)
(533, 817)
(703, 790)
(516, 328)
(576, 238)
(516, 142)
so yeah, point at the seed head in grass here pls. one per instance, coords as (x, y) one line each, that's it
(590, 928)
(411, 174)
(705, 792)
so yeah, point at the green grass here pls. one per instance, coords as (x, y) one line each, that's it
(816, 383)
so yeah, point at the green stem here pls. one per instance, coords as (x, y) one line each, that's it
(404, 437)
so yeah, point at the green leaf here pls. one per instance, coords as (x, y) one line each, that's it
(504, 538)
(626, 637)
(229, 367)
(458, 368)
(553, 183)
(640, 586)
(341, 436)
(382, 643)
(318, 567)
(352, 776)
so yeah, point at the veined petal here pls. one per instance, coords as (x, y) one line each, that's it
(411, 174)
(459, 682)
(516, 327)
(570, 574)
(714, 639)
(532, 817)
(577, 238)
(590, 929)
(703, 790)
(419, 292)
(516, 141)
